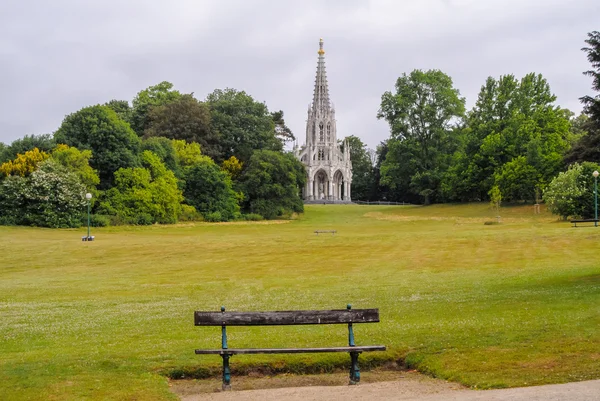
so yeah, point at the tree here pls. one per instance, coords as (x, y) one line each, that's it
(165, 150)
(148, 98)
(77, 162)
(282, 131)
(380, 191)
(188, 154)
(113, 143)
(45, 143)
(587, 148)
(362, 169)
(421, 114)
(495, 198)
(563, 193)
(592, 104)
(24, 164)
(511, 118)
(50, 196)
(185, 119)
(122, 108)
(209, 190)
(271, 183)
(244, 125)
(571, 193)
(517, 180)
(144, 195)
(233, 167)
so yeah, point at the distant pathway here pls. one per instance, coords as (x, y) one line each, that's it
(413, 390)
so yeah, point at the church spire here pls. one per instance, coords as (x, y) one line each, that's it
(321, 94)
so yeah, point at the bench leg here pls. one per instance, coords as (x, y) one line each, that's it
(226, 372)
(354, 370)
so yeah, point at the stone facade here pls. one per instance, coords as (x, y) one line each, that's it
(329, 169)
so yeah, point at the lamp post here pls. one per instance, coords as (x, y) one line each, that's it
(595, 174)
(88, 196)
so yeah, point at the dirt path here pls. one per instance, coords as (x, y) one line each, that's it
(410, 387)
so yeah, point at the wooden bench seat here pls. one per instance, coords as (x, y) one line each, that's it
(348, 316)
(325, 232)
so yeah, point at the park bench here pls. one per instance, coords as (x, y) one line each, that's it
(299, 317)
(325, 232)
(583, 221)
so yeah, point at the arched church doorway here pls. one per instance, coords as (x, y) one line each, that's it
(321, 183)
(338, 186)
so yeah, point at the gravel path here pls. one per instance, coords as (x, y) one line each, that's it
(422, 390)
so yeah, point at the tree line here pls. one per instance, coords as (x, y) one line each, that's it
(166, 156)
(163, 158)
(515, 143)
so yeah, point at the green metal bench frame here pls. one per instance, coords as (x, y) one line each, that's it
(276, 318)
(580, 221)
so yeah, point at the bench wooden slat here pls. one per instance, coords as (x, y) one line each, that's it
(233, 351)
(286, 317)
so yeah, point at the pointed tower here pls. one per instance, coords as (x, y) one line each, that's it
(328, 168)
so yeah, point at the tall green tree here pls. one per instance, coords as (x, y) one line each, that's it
(422, 114)
(511, 119)
(592, 103)
(362, 169)
(144, 195)
(113, 143)
(122, 108)
(209, 189)
(44, 143)
(244, 125)
(282, 131)
(145, 100)
(165, 150)
(78, 162)
(186, 119)
(517, 180)
(272, 183)
(588, 147)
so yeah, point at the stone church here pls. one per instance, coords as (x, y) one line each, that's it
(329, 170)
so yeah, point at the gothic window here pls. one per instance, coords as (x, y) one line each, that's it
(314, 138)
(321, 134)
(328, 132)
(321, 154)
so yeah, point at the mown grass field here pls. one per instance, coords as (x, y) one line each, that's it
(485, 305)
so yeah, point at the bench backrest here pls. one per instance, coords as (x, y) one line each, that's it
(276, 318)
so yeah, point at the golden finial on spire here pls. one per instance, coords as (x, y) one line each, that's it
(321, 51)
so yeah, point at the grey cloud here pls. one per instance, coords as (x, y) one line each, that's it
(56, 57)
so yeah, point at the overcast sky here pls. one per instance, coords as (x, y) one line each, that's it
(61, 55)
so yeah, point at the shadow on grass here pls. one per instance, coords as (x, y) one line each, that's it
(269, 369)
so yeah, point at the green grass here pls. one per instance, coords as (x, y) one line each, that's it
(485, 305)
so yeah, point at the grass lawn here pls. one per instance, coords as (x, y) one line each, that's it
(485, 305)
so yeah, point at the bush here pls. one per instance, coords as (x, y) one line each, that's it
(96, 220)
(252, 217)
(571, 193)
(8, 220)
(140, 219)
(144, 219)
(189, 213)
(50, 197)
(214, 217)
